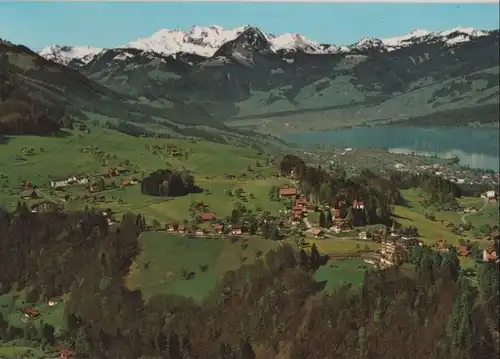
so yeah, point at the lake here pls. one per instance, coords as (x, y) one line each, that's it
(474, 147)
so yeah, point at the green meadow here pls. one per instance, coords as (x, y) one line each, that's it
(165, 259)
(340, 272)
(41, 159)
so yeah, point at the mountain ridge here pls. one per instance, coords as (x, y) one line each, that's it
(206, 40)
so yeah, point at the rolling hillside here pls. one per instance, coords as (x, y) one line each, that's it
(37, 96)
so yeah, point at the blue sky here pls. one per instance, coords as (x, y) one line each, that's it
(111, 24)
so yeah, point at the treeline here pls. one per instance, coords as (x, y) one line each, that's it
(31, 256)
(271, 308)
(378, 194)
(438, 190)
(169, 183)
(19, 113)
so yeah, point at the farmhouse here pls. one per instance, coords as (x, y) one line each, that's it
(29, 194)
(172, 227)
(26, 184)
(491, 195)
(490, 255)
(470, 209)
(55, 300)
(463, 250)
(31, 313)
(288, 192)
(45, 206)
(181, 229)
(441, 246)
(316, 232)
(207, 216)
(59, 183)
(358, 204)
(66, 353)
(447, 224)
(199, 232)
(301, 202)
(236, 230)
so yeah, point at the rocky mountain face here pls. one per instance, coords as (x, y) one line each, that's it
(252, 79)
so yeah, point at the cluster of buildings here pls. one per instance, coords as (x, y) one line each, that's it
(201, 232)
(393, 248)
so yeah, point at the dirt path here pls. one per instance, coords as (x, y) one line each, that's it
(463, 218)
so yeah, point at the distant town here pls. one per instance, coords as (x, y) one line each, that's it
(354, 160)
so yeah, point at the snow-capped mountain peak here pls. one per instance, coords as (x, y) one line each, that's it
(449, 37)
(64, 54)
(200, 40)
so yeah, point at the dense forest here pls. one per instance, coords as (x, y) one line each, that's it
(423, 308)
(19, 114)
(378, 194)
(169, 183)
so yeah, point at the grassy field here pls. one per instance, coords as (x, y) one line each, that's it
(10, 350)
(163, 259)
(11, 306)
(336, 245)
(429, 230)
(177, 209)
(490, 215)
(337, 273)
(40, 159)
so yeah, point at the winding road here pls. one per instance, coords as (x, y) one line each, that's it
(464, 221)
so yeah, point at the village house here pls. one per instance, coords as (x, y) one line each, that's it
(236, 230)
(181, 230)
(301, 202)
(316, 232)
(447, 224)
(29, 194)
(26, 184)
(463, 250)
(296, 212)
(129, 182)
(199, 232)
(491, 195)
(55, 300)
(470, 209)
(31, 313)
(358, 204)
(45, 206)
(207, 216)
(66, 353)
(219, 228)
(490, 255)
(59, 183)
(335, 213)
(340, 225)
(172, 227)
(288, 192)
(441, 246)
(363, 235)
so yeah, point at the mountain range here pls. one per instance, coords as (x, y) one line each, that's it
(217, 80)
(205, 41)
